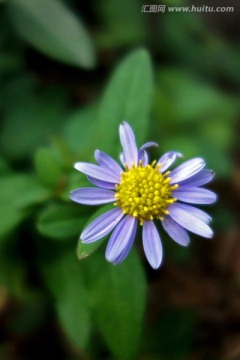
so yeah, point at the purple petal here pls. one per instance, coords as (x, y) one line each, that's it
(189, 221)
(122, 256)
(194, 195)
(175, 231)
(186, 170)
(148, 145)
(201, 215)
(101, 226)
(203, 177)
(106, 161)
(143, 155)
(167, 159)
(92, 196)
(121, 240)
(152, 244)
(122, 159)
(128, 142)
(102, 184)
(97, 172)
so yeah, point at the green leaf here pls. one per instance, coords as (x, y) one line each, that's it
(79, 131)
(121, 28)
(201, 122)
(33, 193)
(61, 221)
(12, 54)
(64, 277)
(4, 168)
(127, 97)
(31, 118)
(12, 274)
(118, 297)
(84, 250)
(18, 192)
(9, 62)
(48, 167)
(53, 29)
(195, 101)
(215, 141)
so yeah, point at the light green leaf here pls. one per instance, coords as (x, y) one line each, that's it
(53, 29)
(118, 297)
(61, 221)
(64, 277)
(127, 97)
(84, 250)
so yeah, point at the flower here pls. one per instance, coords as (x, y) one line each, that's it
(142, 193)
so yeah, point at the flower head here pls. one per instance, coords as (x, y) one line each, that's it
(143, 192)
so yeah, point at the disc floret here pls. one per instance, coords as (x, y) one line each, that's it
(144, 192)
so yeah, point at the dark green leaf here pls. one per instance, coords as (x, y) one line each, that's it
(48, 167)
(4, 168)
(12, 275)
(53, 29)
(31, 118)
(61, 221)
(118, 296)
(9, 62)
(17, 193)
(121, 28)
(64, 277)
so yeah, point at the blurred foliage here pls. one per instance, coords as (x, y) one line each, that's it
(201, 115)
(38, 23)
(70, 73)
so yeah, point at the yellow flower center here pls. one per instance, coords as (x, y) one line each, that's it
(145, 193)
